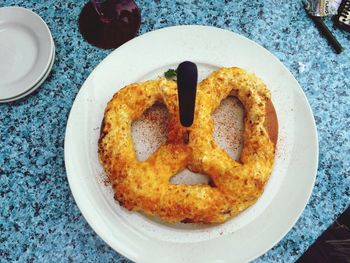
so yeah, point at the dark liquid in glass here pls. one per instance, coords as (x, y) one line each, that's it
(109, 24)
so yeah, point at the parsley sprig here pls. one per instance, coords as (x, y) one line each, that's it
(170, 74)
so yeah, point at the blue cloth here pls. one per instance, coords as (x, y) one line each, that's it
(39, 219)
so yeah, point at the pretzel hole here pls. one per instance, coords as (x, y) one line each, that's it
(229, 126)
(188, 177)
(149, 132)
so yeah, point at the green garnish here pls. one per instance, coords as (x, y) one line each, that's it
(170, 74)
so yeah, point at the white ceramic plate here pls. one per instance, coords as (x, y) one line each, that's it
(242, 238)
(37, 85)
(26, 48)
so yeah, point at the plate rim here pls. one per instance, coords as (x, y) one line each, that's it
(29, 12)
(36, 85)
(314, 132)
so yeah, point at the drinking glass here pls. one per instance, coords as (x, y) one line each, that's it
(109, 23)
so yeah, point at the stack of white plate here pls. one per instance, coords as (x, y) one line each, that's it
(27, 52)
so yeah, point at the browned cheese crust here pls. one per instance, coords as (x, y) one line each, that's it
(145, 185)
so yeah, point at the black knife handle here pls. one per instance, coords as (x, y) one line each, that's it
(327, 34)
(187, 77)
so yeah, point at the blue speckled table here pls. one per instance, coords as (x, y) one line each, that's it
(39, 220)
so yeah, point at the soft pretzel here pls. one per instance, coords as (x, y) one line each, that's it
(145, 185)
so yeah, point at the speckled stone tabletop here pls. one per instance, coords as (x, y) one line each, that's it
(39, 220)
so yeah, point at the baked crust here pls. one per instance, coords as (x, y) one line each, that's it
(145, 185)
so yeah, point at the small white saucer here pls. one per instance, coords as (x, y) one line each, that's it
(26, 48)
(36, 86)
